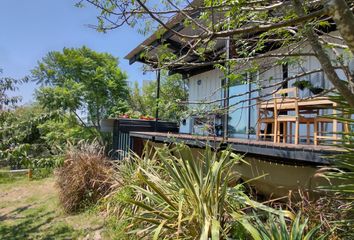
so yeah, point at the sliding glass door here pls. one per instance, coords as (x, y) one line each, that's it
(242, 112)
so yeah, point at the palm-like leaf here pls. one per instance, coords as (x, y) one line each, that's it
(276, 228)
(186, 196)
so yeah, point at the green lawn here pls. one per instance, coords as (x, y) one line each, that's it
(30, 210)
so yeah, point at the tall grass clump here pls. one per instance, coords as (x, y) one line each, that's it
(275, 227)
(85, 176)
(340, 173)
(179, 195)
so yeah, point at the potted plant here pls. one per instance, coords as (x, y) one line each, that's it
(302, 84)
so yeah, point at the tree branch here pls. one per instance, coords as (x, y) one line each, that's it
(324, 59)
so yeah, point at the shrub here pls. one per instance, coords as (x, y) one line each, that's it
(276, 228)
(118, 208)
(85, 176)
(180, 196)
(332, 211)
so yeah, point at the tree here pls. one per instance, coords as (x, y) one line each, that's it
(81, 79)
(20, 138)
(8, 84)
(136, 101)
(172, 92)
(33, 137)
(343, 16)
(254, 28)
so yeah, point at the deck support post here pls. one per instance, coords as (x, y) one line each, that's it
(226, 91)
(158, 79)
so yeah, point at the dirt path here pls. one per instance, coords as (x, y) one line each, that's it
(30, 210)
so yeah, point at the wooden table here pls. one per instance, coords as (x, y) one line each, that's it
(304, 104)
(308, 104)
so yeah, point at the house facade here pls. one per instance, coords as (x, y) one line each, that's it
(286, 148)
(206, 92)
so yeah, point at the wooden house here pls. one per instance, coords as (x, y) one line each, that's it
(279, 125)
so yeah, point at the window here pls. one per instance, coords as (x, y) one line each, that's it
(242, 114)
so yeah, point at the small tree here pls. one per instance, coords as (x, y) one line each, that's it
(172, 92)
(81, 79)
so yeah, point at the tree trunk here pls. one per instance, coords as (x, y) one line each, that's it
(324, 59)
(344, 19)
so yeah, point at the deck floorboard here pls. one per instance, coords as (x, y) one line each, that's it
(312, 154)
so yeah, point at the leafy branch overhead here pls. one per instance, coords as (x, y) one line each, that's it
(194, 34)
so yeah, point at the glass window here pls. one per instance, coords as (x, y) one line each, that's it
(242, 117)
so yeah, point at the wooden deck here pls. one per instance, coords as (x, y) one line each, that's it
(287, 153)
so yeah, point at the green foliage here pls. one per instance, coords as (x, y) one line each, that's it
(172, 92)
(34, 138)
(58, 132)
(341, 172)
(302, 84)
(178, 195)
(276, 228)
(8, 84)
(81, 79)
(343, 164)
(172, 192)
(119, 213)
(21, 139)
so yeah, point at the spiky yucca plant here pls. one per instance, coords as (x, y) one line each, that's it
(342, 167)
(187, 197)
(276, 228)
(341, 171)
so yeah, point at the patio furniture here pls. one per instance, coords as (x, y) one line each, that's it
(282, 117)
(285, 102)
(319, 127)
(319, 130)
(265, 117)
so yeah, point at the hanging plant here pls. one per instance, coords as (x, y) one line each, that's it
(302, 84)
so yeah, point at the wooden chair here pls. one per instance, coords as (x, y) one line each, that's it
(319, 124)
(266, 118)
(319, 132)
(284, 119)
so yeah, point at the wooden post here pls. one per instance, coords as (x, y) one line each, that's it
(297, 128)
(29, 174)
(297, 123)
(335, 122)
(258, 120)
(315, 132)
(308, 132)
(275, 119)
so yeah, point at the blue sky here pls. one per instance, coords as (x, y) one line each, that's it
(31, 28)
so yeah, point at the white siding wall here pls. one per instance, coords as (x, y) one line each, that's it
(269, 78)
(209, 88)
(307, 63)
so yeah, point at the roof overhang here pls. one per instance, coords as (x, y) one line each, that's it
(148, 49)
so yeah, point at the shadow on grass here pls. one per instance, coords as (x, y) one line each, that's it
(13, 215)
(33, 223)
